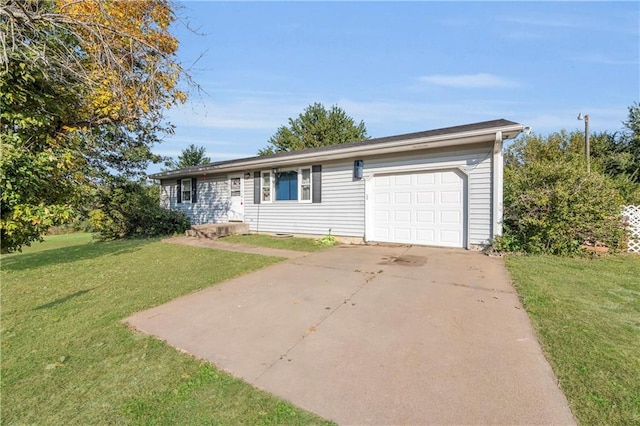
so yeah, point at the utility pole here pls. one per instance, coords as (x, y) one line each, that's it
(587, 148)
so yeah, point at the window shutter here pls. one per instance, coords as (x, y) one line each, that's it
(194, 193)
(256, 188)
(316, 183)
(179, 191)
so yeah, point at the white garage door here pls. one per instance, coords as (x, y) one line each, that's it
(419, 208)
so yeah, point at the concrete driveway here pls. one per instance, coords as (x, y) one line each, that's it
(375, 335)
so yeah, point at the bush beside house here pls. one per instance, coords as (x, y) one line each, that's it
(552, 205)
(132, 209)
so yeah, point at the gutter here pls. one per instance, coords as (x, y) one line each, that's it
(454, 139)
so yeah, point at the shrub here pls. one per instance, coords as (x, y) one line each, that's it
(554, 206)
(132, 209)
(326, 241)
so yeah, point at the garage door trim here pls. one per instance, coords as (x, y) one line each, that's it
(369, 186)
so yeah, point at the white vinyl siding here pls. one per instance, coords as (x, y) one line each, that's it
(212, 195)
(474, 161)
(341, 209)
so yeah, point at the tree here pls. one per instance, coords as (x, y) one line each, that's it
(551, 203)
(83, 90)
(316, 127)
(619, 155)
(191, 156)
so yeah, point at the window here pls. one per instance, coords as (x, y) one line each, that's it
(287, 185)
(186, 190)
(235, 186)
(305, 185)
(266, 187)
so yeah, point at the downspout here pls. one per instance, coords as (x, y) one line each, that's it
(498, 175)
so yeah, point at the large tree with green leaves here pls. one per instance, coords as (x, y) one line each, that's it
(619, 153)
(315, 127)
(191, 156)
(83, 90)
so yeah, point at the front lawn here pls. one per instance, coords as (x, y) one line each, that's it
(285, 243)
(67, 359)
(587, 315)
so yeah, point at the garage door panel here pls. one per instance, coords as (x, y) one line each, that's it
(381, 216)
(425, 216)
(382, 198)
(450, 217)
(425, 197)
(382, 181)
(402, 216)
(402, 198)
(425, 236)
(402, 180)
(426, 179)
(402, 234)
(451, 237)
(382, 233)
(450, 197)
(450, 177)
(419, 208)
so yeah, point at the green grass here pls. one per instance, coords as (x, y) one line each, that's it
(67, 358)
(289, 243)
(58, 241)
(587, 315)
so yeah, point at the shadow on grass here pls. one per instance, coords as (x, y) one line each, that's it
(92, 250)
(62, 299)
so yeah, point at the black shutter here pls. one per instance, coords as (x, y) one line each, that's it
(256, 188)
(194, 193)
(316, 184)
(179, 191)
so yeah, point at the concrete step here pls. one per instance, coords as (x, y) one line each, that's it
(214, 231)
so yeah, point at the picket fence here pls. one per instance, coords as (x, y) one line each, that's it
(632, 217)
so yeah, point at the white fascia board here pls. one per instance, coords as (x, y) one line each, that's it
(405, 145)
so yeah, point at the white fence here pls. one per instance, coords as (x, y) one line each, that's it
(632, 217)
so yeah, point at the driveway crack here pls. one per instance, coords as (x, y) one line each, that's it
(369, 276)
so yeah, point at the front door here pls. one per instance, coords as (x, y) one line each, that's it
(236, 198)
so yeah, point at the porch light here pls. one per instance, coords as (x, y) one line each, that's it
(358, 169)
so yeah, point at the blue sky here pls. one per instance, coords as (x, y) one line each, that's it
(402, 67)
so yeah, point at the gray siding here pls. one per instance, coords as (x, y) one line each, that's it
(213, 199)
(343, 207)
(341, 210)
(475, 161)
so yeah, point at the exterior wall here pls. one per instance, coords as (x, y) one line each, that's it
(341, 209)
(475, 161)
(212, 196)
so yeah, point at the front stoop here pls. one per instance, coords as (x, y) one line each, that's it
(214, 231)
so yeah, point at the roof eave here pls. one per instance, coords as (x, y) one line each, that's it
(437, 141)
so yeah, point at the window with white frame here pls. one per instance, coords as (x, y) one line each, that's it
(185, 186)
(265, 187)
(305, 185)
(286, 185)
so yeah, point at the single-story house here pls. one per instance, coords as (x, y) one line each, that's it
(439, 187)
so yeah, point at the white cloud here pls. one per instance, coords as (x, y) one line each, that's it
(472, 81)
(231, 115)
